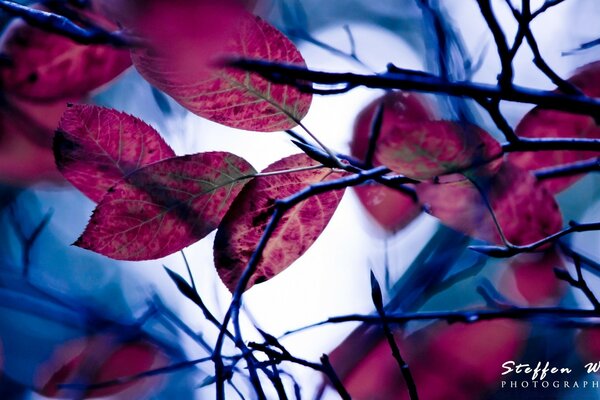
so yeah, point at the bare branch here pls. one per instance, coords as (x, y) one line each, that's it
(63, 26)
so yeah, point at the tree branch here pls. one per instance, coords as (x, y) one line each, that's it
(294, 75)
(63, 26)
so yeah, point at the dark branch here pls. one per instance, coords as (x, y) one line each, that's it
(576, 168)
(512, 250)
(296, 75)
(544, 314)
(506, 75)
(389, 335)
(58, 24)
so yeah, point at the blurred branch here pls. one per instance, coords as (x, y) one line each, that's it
(63, 26)
(28, 240)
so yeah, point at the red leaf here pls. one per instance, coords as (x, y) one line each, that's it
(48, 67)
(95, 147)
(225, 95)
(525, 210)
(588, 344)
(457, 361)
(530, 279)
(166, 206)
(23, 157)
(246, 220)
(391, 209)
(539, 123)
(99, 359)
(425, 149)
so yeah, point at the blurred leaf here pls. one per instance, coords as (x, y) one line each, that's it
(541, 123)
(524, 209)
(533, 279)
(48, 67)
(390, 208)
(425, 149)
(99, 359)
(457, 361)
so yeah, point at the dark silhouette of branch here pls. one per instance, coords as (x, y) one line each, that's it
(335, 381)
(281, 206)
(575, 168)
(389, 335)
(297, 75)
(505, 77)
(55, 23)
(512, 250)
(493, 109)
(547, 5)
(545, 314)
(524, 18)
(579, 281)
(545, 144)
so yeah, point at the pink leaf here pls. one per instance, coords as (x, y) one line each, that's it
(540, 123)
(49, 67)
(226, 95)
(25, 158)
(390, 208)
(166, 206)
(425, 149)
(246, 220)
(95, 147)
(525, 210)
(530, 279)
(101, 358)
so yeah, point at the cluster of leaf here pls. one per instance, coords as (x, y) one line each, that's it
(151, 202)
(470, 185)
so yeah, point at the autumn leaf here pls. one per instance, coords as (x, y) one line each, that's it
(246, 220)
(529, 279)
(166, 206)
(102, 358)
(47, 67)
(524, 209)
(425, 149)
(95, 147)
(436, 355)
(542, 123)
(23, 159)
(225, 95)
(391, 209)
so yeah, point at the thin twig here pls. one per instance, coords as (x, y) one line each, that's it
(550, 314)
(389, 335)
(512, 250)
